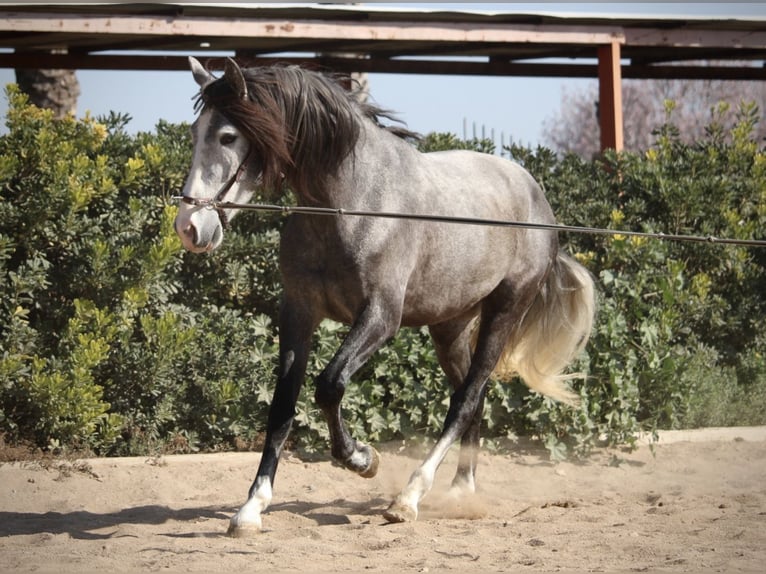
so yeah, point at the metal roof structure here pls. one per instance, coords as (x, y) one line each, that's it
(159, 36)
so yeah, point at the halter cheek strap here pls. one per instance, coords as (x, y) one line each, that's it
(228, 184)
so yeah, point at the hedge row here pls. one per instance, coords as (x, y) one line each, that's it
(114, 340)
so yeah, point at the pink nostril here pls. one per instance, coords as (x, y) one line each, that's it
(188, 231)
(191, 232)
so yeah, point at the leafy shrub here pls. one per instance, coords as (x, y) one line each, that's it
(680, 325)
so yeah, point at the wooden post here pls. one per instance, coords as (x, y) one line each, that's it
(610, 96)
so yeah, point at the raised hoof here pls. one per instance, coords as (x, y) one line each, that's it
(399, 512)
(372, 470)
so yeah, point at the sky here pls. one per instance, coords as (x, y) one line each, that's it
(516, 108)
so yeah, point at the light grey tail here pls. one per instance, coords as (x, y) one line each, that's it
(555, 329)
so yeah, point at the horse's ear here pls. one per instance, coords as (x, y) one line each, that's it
(235, 77)
(201, 75)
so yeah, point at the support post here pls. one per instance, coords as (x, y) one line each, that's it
(610, 96)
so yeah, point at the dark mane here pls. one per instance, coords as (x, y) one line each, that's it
(301, 123)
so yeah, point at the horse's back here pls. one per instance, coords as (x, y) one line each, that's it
(485, 185)
(467, 262)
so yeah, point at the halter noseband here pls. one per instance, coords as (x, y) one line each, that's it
(214, 201)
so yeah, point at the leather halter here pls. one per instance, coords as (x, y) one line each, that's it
(218, 198)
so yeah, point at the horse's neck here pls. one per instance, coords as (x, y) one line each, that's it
(376, 156)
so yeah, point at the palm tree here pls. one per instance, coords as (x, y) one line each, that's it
(57, 90)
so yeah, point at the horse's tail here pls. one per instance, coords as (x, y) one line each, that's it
(554, 330)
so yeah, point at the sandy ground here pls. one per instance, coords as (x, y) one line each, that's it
(697, 503)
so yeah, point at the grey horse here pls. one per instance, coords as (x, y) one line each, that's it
(495, 300)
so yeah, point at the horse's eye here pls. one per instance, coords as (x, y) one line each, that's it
(227, 139)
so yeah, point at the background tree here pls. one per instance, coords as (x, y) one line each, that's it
(574, 128)
(55, 90)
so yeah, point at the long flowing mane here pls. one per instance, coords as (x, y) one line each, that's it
(301, 124)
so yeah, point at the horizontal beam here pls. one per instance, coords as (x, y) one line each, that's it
(691, 38)
(210, 27)
(734, 73)
(383, 66)
(97, 25)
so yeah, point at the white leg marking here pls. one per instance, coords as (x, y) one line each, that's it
(247, 520)
(462, 486)
(418, 486)
(404, 508)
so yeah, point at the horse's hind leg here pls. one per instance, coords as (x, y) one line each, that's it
(452, 342)
(465, 477)
(500, 313)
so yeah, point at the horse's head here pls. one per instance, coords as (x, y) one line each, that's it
(259, 128)
(223, 167)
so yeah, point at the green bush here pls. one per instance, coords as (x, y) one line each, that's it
(115, 340)
(680, 324)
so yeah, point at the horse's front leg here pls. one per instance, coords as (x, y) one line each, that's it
(296, 326)
(374, 326)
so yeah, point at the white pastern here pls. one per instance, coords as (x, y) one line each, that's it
(420, 483)
(405, 506)
(462, 487)
(248, 519)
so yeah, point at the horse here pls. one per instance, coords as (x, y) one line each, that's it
(496, 300)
